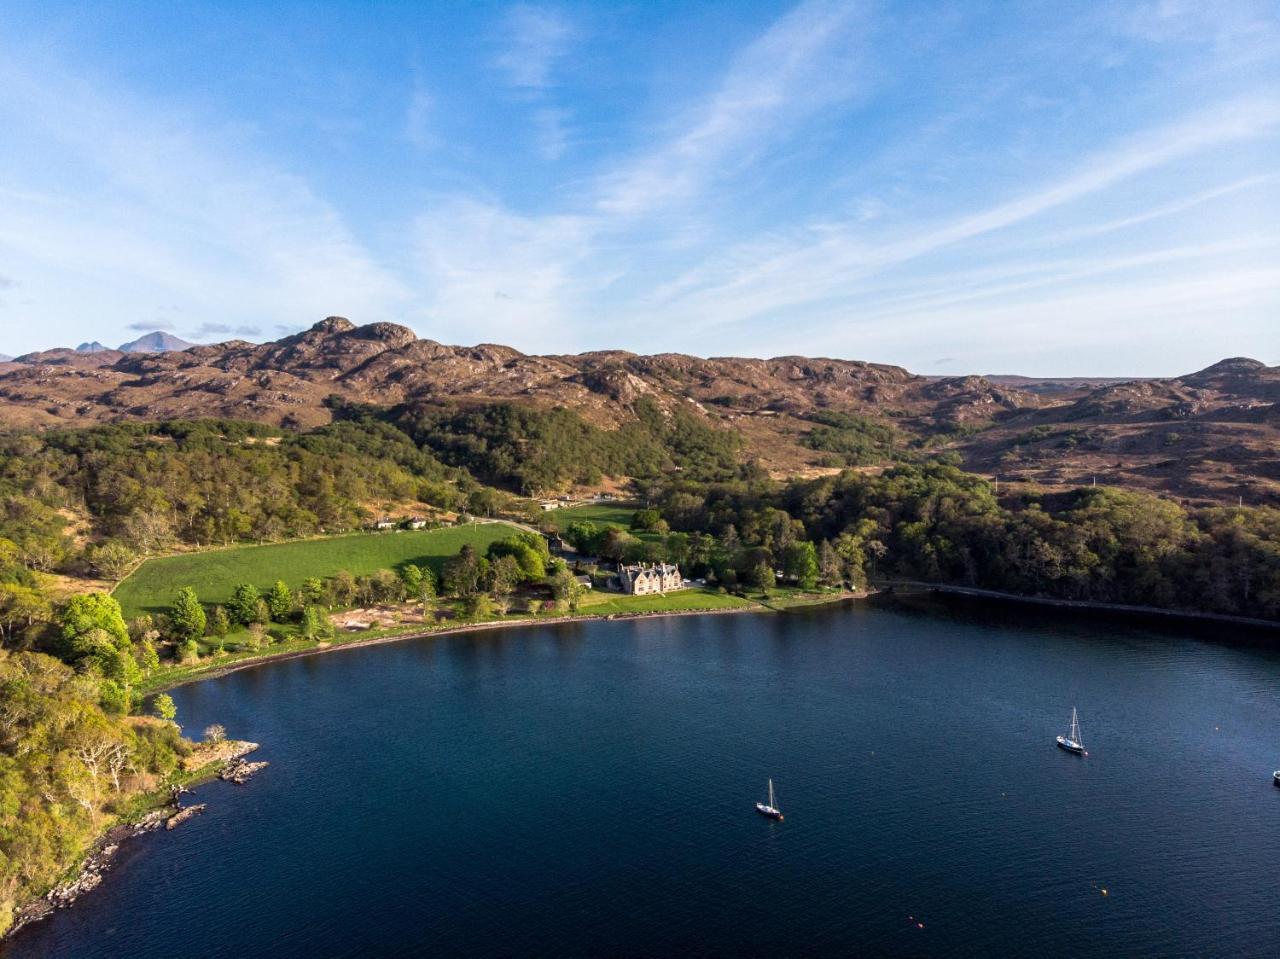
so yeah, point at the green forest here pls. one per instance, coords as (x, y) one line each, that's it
(535, 451)
(935, 523)
(68, 768)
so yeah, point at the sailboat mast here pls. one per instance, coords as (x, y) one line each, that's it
(771, 804)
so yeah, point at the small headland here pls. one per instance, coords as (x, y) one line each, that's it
(162, 808)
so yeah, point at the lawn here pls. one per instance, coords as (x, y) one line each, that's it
(606, 604)
(602, 514)
(215, 573)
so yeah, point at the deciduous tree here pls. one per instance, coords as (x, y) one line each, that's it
(244, 606)
(279, 601)
(186, 616)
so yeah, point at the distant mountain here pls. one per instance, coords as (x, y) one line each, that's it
(5, 357)
(94, 347)
(1212, 435)
(157, 342)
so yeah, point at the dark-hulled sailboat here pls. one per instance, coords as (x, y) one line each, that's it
(1071, 742)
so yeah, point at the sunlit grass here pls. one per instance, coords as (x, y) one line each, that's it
(213, 574)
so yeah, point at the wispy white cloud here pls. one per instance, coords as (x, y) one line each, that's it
(1163, 210)
(548, 266)
(551, 126)
(827, 259)
(484, 267)
(534, 41)
(1005, 282)
(1239, 31)
(417, 116)
(166, 211)
(1108, 322)
(534, 38)
(207, 331)
(809, 59)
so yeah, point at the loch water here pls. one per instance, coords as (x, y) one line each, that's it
(588, 790)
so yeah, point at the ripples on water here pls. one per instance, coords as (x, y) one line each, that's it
(588, 790)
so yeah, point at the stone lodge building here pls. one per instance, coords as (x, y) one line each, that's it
(640, 580)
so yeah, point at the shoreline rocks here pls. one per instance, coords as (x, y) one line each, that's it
(238, 771)
(90, 873)
(182, 815)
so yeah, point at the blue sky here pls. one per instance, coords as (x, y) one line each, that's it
(1043, 188)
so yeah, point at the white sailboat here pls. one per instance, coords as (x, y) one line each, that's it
(1276, 776)
(1071, 742)
(770, 808)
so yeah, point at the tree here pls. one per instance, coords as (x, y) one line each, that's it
(243, 608)
(584, 536)
(143, 627)
(20, 606)
(646, 520)
(761, 575)
(342, 588)
(506, 575)
(186, 615)
(257, 636)
(220, 622)
(427, 588)
(90, 612)
(279, 601)
(478, 606)
(148, 658)
(112, 559)
(121, 666)
(165, 707)
(215, 733)
(566, 589)
(800, 563)
(614, 543)
(529, 551)
(411, 579)
(313, 590)
(830, 568)
(386, 587)
(148, 528)
(482, 502)
(462, 572)
(315, 624)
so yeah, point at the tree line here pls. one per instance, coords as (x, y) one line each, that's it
(936, 523)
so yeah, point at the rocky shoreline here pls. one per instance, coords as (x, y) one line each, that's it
(239, 770)
(230, 766)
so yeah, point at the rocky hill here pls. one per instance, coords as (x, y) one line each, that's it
(1209, 435)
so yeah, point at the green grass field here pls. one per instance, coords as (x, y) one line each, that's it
(607, 604)
(602, 514)
(215, 573)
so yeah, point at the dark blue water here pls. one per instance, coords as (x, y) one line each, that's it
(587, 790)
